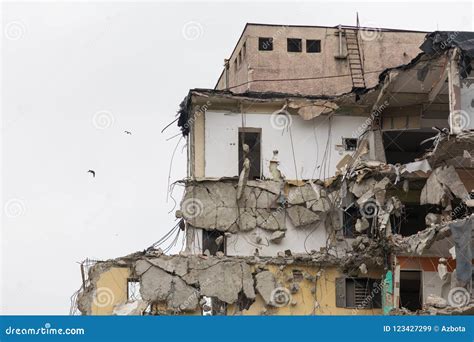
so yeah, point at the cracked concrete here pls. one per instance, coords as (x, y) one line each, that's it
(263, 204)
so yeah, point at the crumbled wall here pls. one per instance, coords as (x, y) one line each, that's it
(177, 284)
(214, 205)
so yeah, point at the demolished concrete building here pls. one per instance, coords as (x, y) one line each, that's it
(300, 204)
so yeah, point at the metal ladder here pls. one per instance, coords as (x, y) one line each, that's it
(354, 58)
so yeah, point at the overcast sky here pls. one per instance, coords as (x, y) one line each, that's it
(75, 76)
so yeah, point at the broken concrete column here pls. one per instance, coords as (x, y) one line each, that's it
(277, 236)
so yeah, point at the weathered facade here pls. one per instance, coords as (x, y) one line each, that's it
(353, 201)
(314, 59)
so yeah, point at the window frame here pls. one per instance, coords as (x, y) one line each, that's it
(262, 41)
(291, 42)
(310, 44)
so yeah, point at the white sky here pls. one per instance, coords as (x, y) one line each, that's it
(64, 62)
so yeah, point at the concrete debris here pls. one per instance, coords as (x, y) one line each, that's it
(363, 268)
(301, 216)
(366, 185)
(219, 240)
(134, 308)
(277, 236)
(273, 167)
(432, 219)
(442, 269)
(440, 184)
(435, 301)
(157, 285)
(310, 110)
(225, 280)
(452, 251)
(266, 283)
(362, 224)
(180, 283)
(214, 205)
(294, 288)
(421, 167)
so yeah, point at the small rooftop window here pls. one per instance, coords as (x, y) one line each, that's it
(265, 44)
(313, 46)
(294, 45)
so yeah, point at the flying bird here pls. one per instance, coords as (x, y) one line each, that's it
(128, 132)
(92, 172)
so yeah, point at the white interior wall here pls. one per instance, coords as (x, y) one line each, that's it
(298, 240)
(309, 140)
(467, 100)
(432, 284)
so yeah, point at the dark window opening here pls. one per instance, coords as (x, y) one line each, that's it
(460, 209)
(265, 44)
(313, 46)
(252, 138)
(410, 290)
(209, 242)
(294, 45)
(360, 293)
(350, 144)
(349, 220)
(412, 219)
(404, 146)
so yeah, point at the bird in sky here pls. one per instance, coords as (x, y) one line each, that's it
(128, 132)
(92, 172)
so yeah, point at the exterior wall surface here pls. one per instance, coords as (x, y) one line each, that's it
(111, 289)
(317, 298)
(379, 50)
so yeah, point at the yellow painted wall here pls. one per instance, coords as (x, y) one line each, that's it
(308, 302)
(111, 290)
